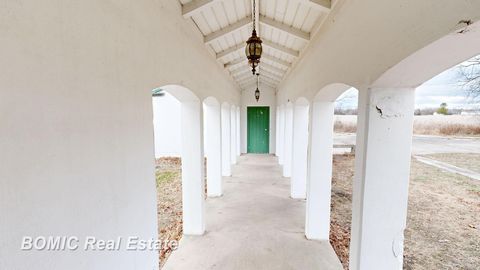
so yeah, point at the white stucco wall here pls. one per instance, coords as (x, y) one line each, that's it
(76, 133)
(267, 98)
(167, 126)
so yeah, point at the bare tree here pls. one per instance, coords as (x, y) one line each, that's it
(470, 77)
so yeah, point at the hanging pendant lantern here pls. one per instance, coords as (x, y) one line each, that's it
(257, 92)
(254, 46)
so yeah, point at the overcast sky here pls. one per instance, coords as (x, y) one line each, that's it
(442, 88)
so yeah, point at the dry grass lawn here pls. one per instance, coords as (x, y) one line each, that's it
(169, 198)
(443, 225)
(450, 125)
(469, 161)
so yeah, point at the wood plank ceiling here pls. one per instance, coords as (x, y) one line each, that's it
(285, 27)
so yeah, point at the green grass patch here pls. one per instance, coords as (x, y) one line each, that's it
(165, 177)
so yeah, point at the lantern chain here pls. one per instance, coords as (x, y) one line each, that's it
(254, 14)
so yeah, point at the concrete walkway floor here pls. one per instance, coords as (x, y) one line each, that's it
(255, 225)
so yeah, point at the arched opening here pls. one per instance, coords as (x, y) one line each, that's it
(178, 136)
(444, 170)
(213, 146)
(321, 143)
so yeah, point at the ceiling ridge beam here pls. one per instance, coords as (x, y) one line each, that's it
(281, 48)
(227, 30)
(285, 28)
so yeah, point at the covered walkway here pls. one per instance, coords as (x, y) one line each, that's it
(254, 225)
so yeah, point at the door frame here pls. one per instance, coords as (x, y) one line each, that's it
(268, 129)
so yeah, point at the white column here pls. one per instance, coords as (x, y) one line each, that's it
(238, 131)
(298, 186)
(281, 134)
(277, 128)
(233, 132)
(287, 143)
(213, 149)
(193, 186)
(382, 170)
(226, 167)
(317, 225)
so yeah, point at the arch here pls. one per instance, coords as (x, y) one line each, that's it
(181, 93)
(319, 182)
(302, 101)
(211, 101)
(331, 92)
(433, 59)
(193, 185)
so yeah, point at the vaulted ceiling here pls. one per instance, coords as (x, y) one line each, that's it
(285, 27)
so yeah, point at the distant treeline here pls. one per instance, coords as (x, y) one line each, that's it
(426, 111)
(340, 111)
(431, 111)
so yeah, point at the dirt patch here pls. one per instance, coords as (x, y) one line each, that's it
(443, 224)
(169, 202)
(470, 161)
(341, 207)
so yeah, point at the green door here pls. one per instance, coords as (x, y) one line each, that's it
(258, 129)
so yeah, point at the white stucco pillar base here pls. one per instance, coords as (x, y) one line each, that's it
(193, 186)
(281, 135)
(226, 159)
(298, 186)
(382, 169)
(287, 143)
(319, 182)
(213, 149)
